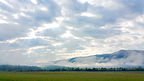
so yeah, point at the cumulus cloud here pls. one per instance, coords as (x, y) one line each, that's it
(46, 30)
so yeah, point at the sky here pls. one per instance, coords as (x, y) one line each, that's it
(39, 31)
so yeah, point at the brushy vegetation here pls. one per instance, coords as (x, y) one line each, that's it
(72, 76)
(40, 69)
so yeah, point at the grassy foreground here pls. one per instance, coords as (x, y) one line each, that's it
(71, 76)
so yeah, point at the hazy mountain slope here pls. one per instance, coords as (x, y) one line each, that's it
(120, 58)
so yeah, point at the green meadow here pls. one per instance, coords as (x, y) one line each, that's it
(71, 76)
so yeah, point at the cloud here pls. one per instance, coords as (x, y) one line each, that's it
(58, 29)
(34, 1)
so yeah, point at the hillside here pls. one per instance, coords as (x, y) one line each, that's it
(122, 58)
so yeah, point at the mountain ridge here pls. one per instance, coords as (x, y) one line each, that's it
(118, 58)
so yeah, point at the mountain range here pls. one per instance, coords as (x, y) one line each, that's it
(122, 58)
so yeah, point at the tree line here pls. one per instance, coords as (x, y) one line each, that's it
(18, 68)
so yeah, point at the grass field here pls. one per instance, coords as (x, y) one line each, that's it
(71, 76)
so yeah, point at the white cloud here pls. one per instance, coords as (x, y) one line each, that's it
(87, 14)
(6, 3)
(44, 9)
(110, 4)
(48, 26)
(90, 15)
(34, 1)
(15, 16)
(30, 50)
(3, 16)
(140, 19)
(67, 34)
(3, 21)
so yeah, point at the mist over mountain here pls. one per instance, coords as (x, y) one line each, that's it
(122, 58)
(127, 59)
